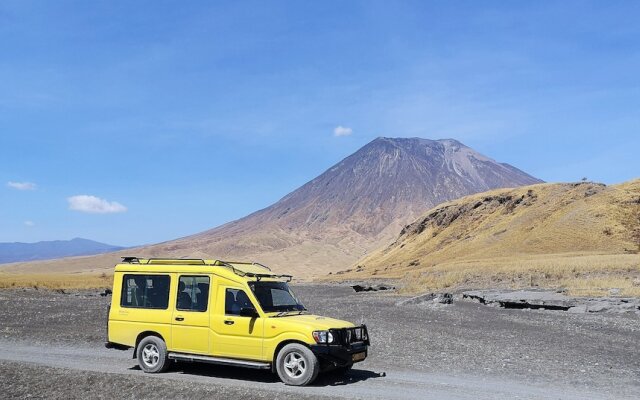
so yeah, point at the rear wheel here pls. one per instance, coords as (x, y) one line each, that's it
(297, 365)
(152, 355)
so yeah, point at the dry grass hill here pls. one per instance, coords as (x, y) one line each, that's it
(355, 206)
(581, 236)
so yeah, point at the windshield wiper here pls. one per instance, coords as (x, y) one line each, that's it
(286, 313)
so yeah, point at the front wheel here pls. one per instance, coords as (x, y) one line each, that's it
(152, 355)
(297, 365)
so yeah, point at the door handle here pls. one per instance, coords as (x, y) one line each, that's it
(179, 318)
(229, 322)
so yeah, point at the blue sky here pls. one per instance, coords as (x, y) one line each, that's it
(179, 116)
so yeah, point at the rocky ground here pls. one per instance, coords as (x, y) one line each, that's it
(51, 347)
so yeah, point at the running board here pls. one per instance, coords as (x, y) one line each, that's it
(218, 360)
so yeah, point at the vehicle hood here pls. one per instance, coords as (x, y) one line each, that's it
(313, 322)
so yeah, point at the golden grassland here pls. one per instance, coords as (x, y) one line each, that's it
(583, 237)
(579, 275)
(56, 281)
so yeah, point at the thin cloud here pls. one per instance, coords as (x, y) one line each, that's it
(29, 223)
(342, 131)
(22, 185)
(94, 205)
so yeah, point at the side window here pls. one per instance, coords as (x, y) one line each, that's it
(235, 300)
(145, 291)
(193, 293)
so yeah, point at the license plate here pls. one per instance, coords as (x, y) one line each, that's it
(358, 356)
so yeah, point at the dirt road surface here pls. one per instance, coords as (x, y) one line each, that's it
(51, 347)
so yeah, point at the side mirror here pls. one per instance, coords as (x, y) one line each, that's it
(249, 312)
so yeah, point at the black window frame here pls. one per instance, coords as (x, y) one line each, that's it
(178, 293)
(123, 293)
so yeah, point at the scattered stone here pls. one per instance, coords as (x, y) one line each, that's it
(60, 291)
(372, 288)
(417, 300)
(433, 298)
(444, 298)
(107, 292)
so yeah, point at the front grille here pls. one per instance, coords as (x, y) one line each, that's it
(348, 336)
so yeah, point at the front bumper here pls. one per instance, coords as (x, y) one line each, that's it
(341, 352)
(339, 355)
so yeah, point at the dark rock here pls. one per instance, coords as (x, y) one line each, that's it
(444, 298)
(433, 298)
(374, 288)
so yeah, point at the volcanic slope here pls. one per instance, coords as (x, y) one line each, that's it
(352, 208)
(572, 234)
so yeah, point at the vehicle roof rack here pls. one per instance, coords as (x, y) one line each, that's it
(218, 263)
(260, 265)
(185, 261)
(239, 272)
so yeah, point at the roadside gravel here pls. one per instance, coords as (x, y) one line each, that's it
(424, 349)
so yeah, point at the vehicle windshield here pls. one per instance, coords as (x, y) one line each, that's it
(275, 297)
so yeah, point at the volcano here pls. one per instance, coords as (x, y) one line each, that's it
(352, 208)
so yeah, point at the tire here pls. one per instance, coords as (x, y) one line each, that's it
(152, 355)
(297, 365)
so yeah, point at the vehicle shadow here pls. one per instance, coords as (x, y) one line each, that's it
(353, 376)
(224, 372)
(265, 376)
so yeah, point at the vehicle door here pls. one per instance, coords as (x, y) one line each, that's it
(236, 336)
(190, 324)
(143, 306)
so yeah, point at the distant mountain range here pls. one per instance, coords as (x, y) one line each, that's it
(355, 206)
(15, 252)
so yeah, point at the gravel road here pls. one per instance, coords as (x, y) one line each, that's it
(51, 347)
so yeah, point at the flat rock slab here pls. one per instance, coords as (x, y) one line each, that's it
(428, 298)
(553, 300)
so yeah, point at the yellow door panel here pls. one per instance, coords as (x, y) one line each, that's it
(238, 337)
(190, 323)
(235, 336)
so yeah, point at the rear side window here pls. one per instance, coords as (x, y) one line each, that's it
(193, 293)
(145, 291)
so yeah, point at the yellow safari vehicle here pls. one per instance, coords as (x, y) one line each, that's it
(229, 313)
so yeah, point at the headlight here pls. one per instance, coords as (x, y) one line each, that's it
(322, 337)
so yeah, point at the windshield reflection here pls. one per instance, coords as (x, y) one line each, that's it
(275, 296)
